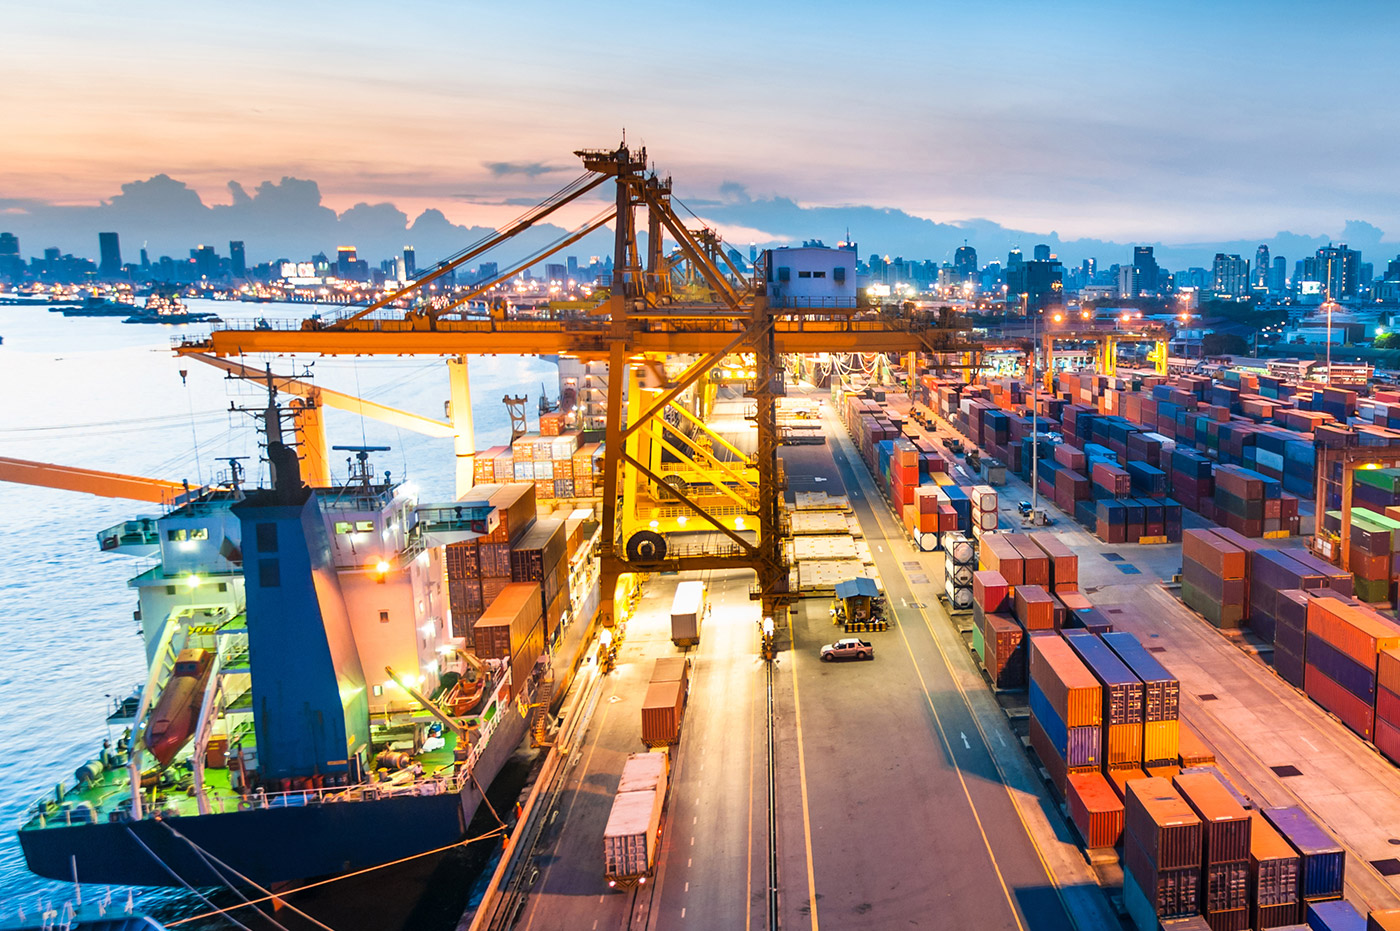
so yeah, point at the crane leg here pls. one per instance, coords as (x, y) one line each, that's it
(463, 433)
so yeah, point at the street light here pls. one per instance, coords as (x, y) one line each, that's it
(1329, 305)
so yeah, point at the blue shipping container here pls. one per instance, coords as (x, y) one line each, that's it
(1338, 915)
(1324, 861)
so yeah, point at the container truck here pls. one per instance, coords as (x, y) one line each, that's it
(687, 611)
(634, 824)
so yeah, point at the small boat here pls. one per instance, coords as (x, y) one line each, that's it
(94, 306)
(161, 308)
(172, 724)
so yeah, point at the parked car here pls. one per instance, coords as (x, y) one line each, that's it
(848, 648)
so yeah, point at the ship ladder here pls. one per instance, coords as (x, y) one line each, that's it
(541, 722)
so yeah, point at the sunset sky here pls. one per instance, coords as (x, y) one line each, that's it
(1175, 121)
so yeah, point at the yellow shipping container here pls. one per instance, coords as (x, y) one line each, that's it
(943, 478)
(1124, 745)
(1161, 741)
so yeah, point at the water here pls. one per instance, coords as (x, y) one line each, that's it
(101, 394)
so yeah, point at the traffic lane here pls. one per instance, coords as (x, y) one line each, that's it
(894, 842)
(571, 890)
(712, 841)
(1023, 870)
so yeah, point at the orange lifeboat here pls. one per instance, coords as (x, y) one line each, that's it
(173, 722)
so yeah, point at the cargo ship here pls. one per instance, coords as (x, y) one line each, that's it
(312, 706)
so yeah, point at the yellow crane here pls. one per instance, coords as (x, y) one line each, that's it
(638, 328)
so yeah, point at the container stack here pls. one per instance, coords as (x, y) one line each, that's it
(1066, 705)
(1162, 844)
(996, 636)
(512, 629)
(1253, 504)
(1063, 563)
(1341, 658)
(1375, 549)
(1161, 728)
(541, 555)
(1226, 829)
(959, 564)
(997, 553)
(478, 570)
(1213, 578)
(1123, 703)
(1192, 478)
(1274, 874)
(1275, 571)
(984, 509)
(1322, 862)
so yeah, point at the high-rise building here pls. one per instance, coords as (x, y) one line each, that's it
(1392, 270)
(573, 266)
(1034, 285)
(965, 263)
(206, 262)
(11, 264)
(1230, 275)
(1338, 269)
(145, 260)
(410, 262)
(1042, 253)
(1261, 266)
(753, 253)
(237, 262)
(110, 264)
(487, 270)
(1129, 281)
(1147, 270)
(1088, 269)
(1278, 275)
(555, 271)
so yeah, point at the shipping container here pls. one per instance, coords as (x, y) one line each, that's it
(1226, 824)
(1096, 809)
(1004, 651)
(663, 710)
(1151, 895)
(687, 612)
(1383, 919)
(1119, 779)
(1069, 687)
(1323, 860)
(1274, 876)
(1194, 751)
(1034, 607)
(1064, 564)
(1337, 915)
(633, 829)
(508, 620)
(1163, 824)
(672, 669)
(1161, 689)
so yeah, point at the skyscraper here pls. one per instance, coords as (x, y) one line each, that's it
(1261, 266)
(1147, 269)
(1230, 275)
(237, 263)
(410, 262)
(1278, 275)
(1042, 253)
(11, 265)
(965, 263)
(110, 248)
(345, 258)
(206, 262)
(1337, 268)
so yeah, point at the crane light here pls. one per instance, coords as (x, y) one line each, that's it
(193, 581)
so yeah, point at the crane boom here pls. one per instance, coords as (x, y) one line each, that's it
(90, 481)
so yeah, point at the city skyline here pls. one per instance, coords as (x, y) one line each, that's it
(1172, 125)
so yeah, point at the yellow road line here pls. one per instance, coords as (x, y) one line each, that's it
(748, 875)
(802, 776)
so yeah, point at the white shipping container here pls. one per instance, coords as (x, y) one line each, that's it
(629, 840)
(984, 497)
(687, 610)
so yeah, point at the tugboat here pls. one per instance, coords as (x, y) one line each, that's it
(95, 306)
(263, 748)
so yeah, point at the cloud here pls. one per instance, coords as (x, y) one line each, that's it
(491, 200)
(528, 169)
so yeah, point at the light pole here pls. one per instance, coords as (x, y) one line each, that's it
(1035, 421)
(1330, 304)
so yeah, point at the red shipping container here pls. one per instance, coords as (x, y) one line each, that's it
(1221, 559)
(1350, 710)
(989, 590)
(1035, 565)
(1387, 740)
(1162, 824)
(1095, 808)
(1119, 779)
(999, 555)
(1387, 705)
(1226, 823)
(1388, 670)
(1357, 631)
(1064, 564)
(1034, 607)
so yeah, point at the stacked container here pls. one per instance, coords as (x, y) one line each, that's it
(1162, 844)
(1213, 577)
(1066, 706)
(984, 509)
(1123, 703)
(959, 564)
(1064, 564)
(1095, 809)
(1226, 829)
(1374, 549)
(1274, 875)
(1161, 701)
(1322, 862)
(1342, 654)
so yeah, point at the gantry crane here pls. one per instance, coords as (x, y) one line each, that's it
(637, 327)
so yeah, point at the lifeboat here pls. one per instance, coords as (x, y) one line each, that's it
(173, 721)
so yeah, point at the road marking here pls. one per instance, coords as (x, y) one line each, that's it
(687, 887)
(966, 745)
(687, 862)
(802, 778)
(879, 547)
(595, 923)
(695, 820)
(1309, 743)
(692, 840)
(1000, 740)
(682, 912)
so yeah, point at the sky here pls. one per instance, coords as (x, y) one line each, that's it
(1172, 122)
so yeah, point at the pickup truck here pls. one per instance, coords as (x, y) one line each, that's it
(848, 648)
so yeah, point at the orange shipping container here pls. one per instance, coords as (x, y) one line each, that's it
(1193, 751)
(507, 621)
(1064, 564)
(1034, 607)
(1359, 632)
(662, 710)
(1388, 670)
(1119, 779)
(1123, 745)
(1068, 685)
(1220, 558)
(1035, 565)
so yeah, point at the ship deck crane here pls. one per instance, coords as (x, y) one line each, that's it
(639, 324)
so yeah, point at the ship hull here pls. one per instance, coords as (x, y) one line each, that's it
(268, 845)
